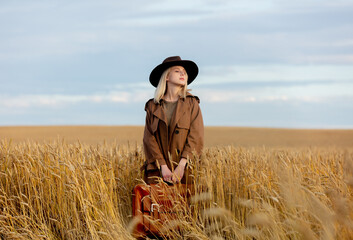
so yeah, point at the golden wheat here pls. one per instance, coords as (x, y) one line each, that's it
(59, 190)
(214, 136)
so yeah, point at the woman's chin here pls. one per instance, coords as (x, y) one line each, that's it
(182, 83)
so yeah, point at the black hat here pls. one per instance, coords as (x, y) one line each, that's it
(190, 67)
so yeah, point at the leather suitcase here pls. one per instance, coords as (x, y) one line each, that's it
(153, 206)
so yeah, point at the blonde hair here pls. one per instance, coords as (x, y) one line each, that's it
(162, 87)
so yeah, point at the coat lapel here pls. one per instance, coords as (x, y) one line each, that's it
(159, 113)
(163, 131)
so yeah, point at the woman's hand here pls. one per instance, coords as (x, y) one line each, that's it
(166, 173)
(179, 171)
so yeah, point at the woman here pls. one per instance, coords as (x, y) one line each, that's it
(174, 127)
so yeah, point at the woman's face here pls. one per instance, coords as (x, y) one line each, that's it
(177, 76)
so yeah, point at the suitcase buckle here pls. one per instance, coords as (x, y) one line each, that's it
(154, 204)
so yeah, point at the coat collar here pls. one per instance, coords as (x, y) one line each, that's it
(159, 112)
(179, 111)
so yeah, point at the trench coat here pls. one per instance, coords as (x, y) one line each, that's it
(184, 138)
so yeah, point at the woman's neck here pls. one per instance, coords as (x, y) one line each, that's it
(172, 93)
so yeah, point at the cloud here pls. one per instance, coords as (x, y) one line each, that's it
(249, 30)
(272, 73)
(118, 93)
(62, 53)
(232, 96)
(126, 97)
(56, 100)
(327, 59)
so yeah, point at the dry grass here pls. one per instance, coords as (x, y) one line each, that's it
(73, 190)
(214, 136)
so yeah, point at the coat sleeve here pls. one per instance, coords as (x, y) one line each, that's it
(195, 138)
(150, 145)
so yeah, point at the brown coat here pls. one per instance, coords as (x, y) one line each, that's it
(185, 135)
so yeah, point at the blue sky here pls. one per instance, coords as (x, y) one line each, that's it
(279, 63)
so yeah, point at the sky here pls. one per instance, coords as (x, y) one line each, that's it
(279, 63)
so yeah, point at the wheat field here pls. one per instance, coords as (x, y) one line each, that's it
(214, 136)
(76, 183)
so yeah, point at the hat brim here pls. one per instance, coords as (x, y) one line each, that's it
(190, 67)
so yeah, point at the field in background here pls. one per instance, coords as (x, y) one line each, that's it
(70, 183)
(214, 136)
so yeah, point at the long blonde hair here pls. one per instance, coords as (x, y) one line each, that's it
(162, 87)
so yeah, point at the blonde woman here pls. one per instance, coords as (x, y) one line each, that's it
(174, 127)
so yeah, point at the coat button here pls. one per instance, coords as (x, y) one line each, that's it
(176, 131)
(178, 151)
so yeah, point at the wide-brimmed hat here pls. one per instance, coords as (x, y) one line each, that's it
(190, 67)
